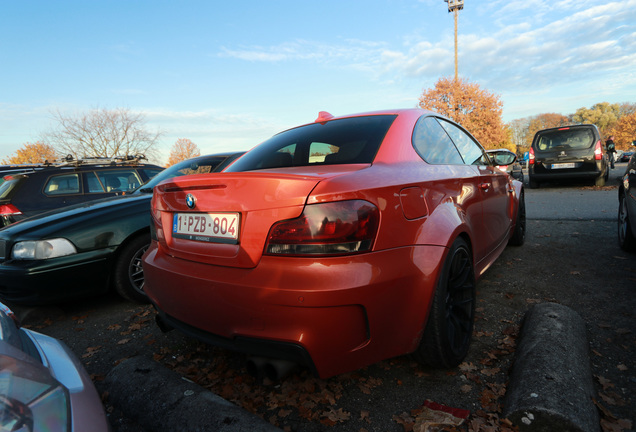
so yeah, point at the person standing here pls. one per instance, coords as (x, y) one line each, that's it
(610, 147)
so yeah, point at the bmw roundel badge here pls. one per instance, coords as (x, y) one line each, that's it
(190, 201)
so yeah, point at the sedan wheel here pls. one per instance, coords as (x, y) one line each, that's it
(129, 274)
(450, 323)
(626, 238)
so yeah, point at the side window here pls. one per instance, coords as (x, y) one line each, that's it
(471, 151)
(122, 180)
(94, 185)
(321, 152)
(64, 184)
(283, 157)
(432, 143)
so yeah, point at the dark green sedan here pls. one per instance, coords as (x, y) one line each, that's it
(85, 249)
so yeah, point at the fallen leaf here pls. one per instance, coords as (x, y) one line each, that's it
(90, 351)
(364, 415)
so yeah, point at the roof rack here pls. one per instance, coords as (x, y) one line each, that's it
(69, 160)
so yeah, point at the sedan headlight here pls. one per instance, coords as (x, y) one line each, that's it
(42, 249)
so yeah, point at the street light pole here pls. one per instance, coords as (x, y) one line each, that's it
(455, 6)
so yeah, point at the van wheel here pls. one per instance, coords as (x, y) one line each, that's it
(449, 327)
(129, 275)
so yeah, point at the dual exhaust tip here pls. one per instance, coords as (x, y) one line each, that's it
(258, 367)
(272, 369)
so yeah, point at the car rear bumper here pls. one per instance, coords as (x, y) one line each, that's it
(332, 314)
(55, 280)
(543, 174)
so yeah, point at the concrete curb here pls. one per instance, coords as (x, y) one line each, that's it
(551, 386)
(160, 400)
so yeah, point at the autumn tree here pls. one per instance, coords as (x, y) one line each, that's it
(30, 153)
(102, 133)
(518, 130)
(544, 121)
(604, 115)
(478, 110)
(182, 149)
(624, 132)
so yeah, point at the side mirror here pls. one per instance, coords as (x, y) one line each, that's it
(502, 157)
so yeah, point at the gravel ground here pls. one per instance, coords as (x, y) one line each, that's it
(574, 263)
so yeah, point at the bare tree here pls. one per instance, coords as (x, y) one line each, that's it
(182, 149)
(102, 133)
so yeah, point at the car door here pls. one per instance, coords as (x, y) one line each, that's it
(492, 185)
(433, 143)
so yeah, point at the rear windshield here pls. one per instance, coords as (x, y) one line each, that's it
(565, 139)
(352, 140)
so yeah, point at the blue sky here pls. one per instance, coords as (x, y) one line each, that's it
(228, 75)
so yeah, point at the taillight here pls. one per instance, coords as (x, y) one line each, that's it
(156, 230)
(598, 151)
(531, 156)
(335, 228)
(9, 209)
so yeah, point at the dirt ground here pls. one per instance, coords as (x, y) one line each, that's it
(575, 263)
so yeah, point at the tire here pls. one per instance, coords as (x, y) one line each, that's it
(519, 235)
(626, 238)
(449, 328)
(533, 184)
(128, 273)
(600, 180)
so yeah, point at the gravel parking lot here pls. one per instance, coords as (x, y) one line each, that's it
(569, 258)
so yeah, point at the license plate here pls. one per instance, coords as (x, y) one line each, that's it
(210, 227)
(563, 165)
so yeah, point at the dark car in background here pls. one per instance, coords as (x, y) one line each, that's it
(625, 156)
(627, 207)
(568, 152)
(43, 386)
(84, 249)
(28, 190)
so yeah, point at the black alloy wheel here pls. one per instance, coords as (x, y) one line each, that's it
(626, 238)
(519, 234)
(449, 328)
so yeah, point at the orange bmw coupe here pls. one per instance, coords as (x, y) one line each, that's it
(338, 243)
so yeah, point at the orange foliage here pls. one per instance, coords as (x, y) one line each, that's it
(624, 132)
(182, 149)
(479, 111)
(37, 152)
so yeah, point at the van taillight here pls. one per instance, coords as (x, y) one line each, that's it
(598, 151)
(531, 156)
(334, 228)
(9, 209)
